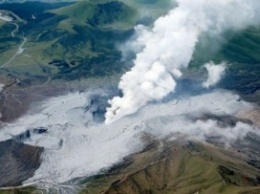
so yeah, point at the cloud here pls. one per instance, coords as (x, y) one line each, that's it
(215, 73)
(199, 117)
(167, 48)
(201, 129)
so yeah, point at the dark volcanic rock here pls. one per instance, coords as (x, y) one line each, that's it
(97, 107)
(255, 163)
(40, 130)
(18, 162)
(23, 136)
(223, 120)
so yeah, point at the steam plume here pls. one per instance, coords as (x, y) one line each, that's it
(215, 73)
(169, 45)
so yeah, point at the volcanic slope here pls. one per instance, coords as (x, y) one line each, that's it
(181, 169)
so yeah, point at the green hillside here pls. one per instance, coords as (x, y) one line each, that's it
(72, 41)
(80, 39)
(99, 13)
(241, 50)
(176, 169)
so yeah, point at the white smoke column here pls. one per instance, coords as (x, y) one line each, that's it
(215, 73)
(169, 45)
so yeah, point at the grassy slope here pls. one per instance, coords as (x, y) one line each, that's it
(180, 170)
(107, 13)
(241, 50)
(71, 41)
(20, 191)
(78, 35)
(239, 47)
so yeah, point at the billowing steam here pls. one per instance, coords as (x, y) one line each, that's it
(215, 73)
(76, 146)
(168, 47)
